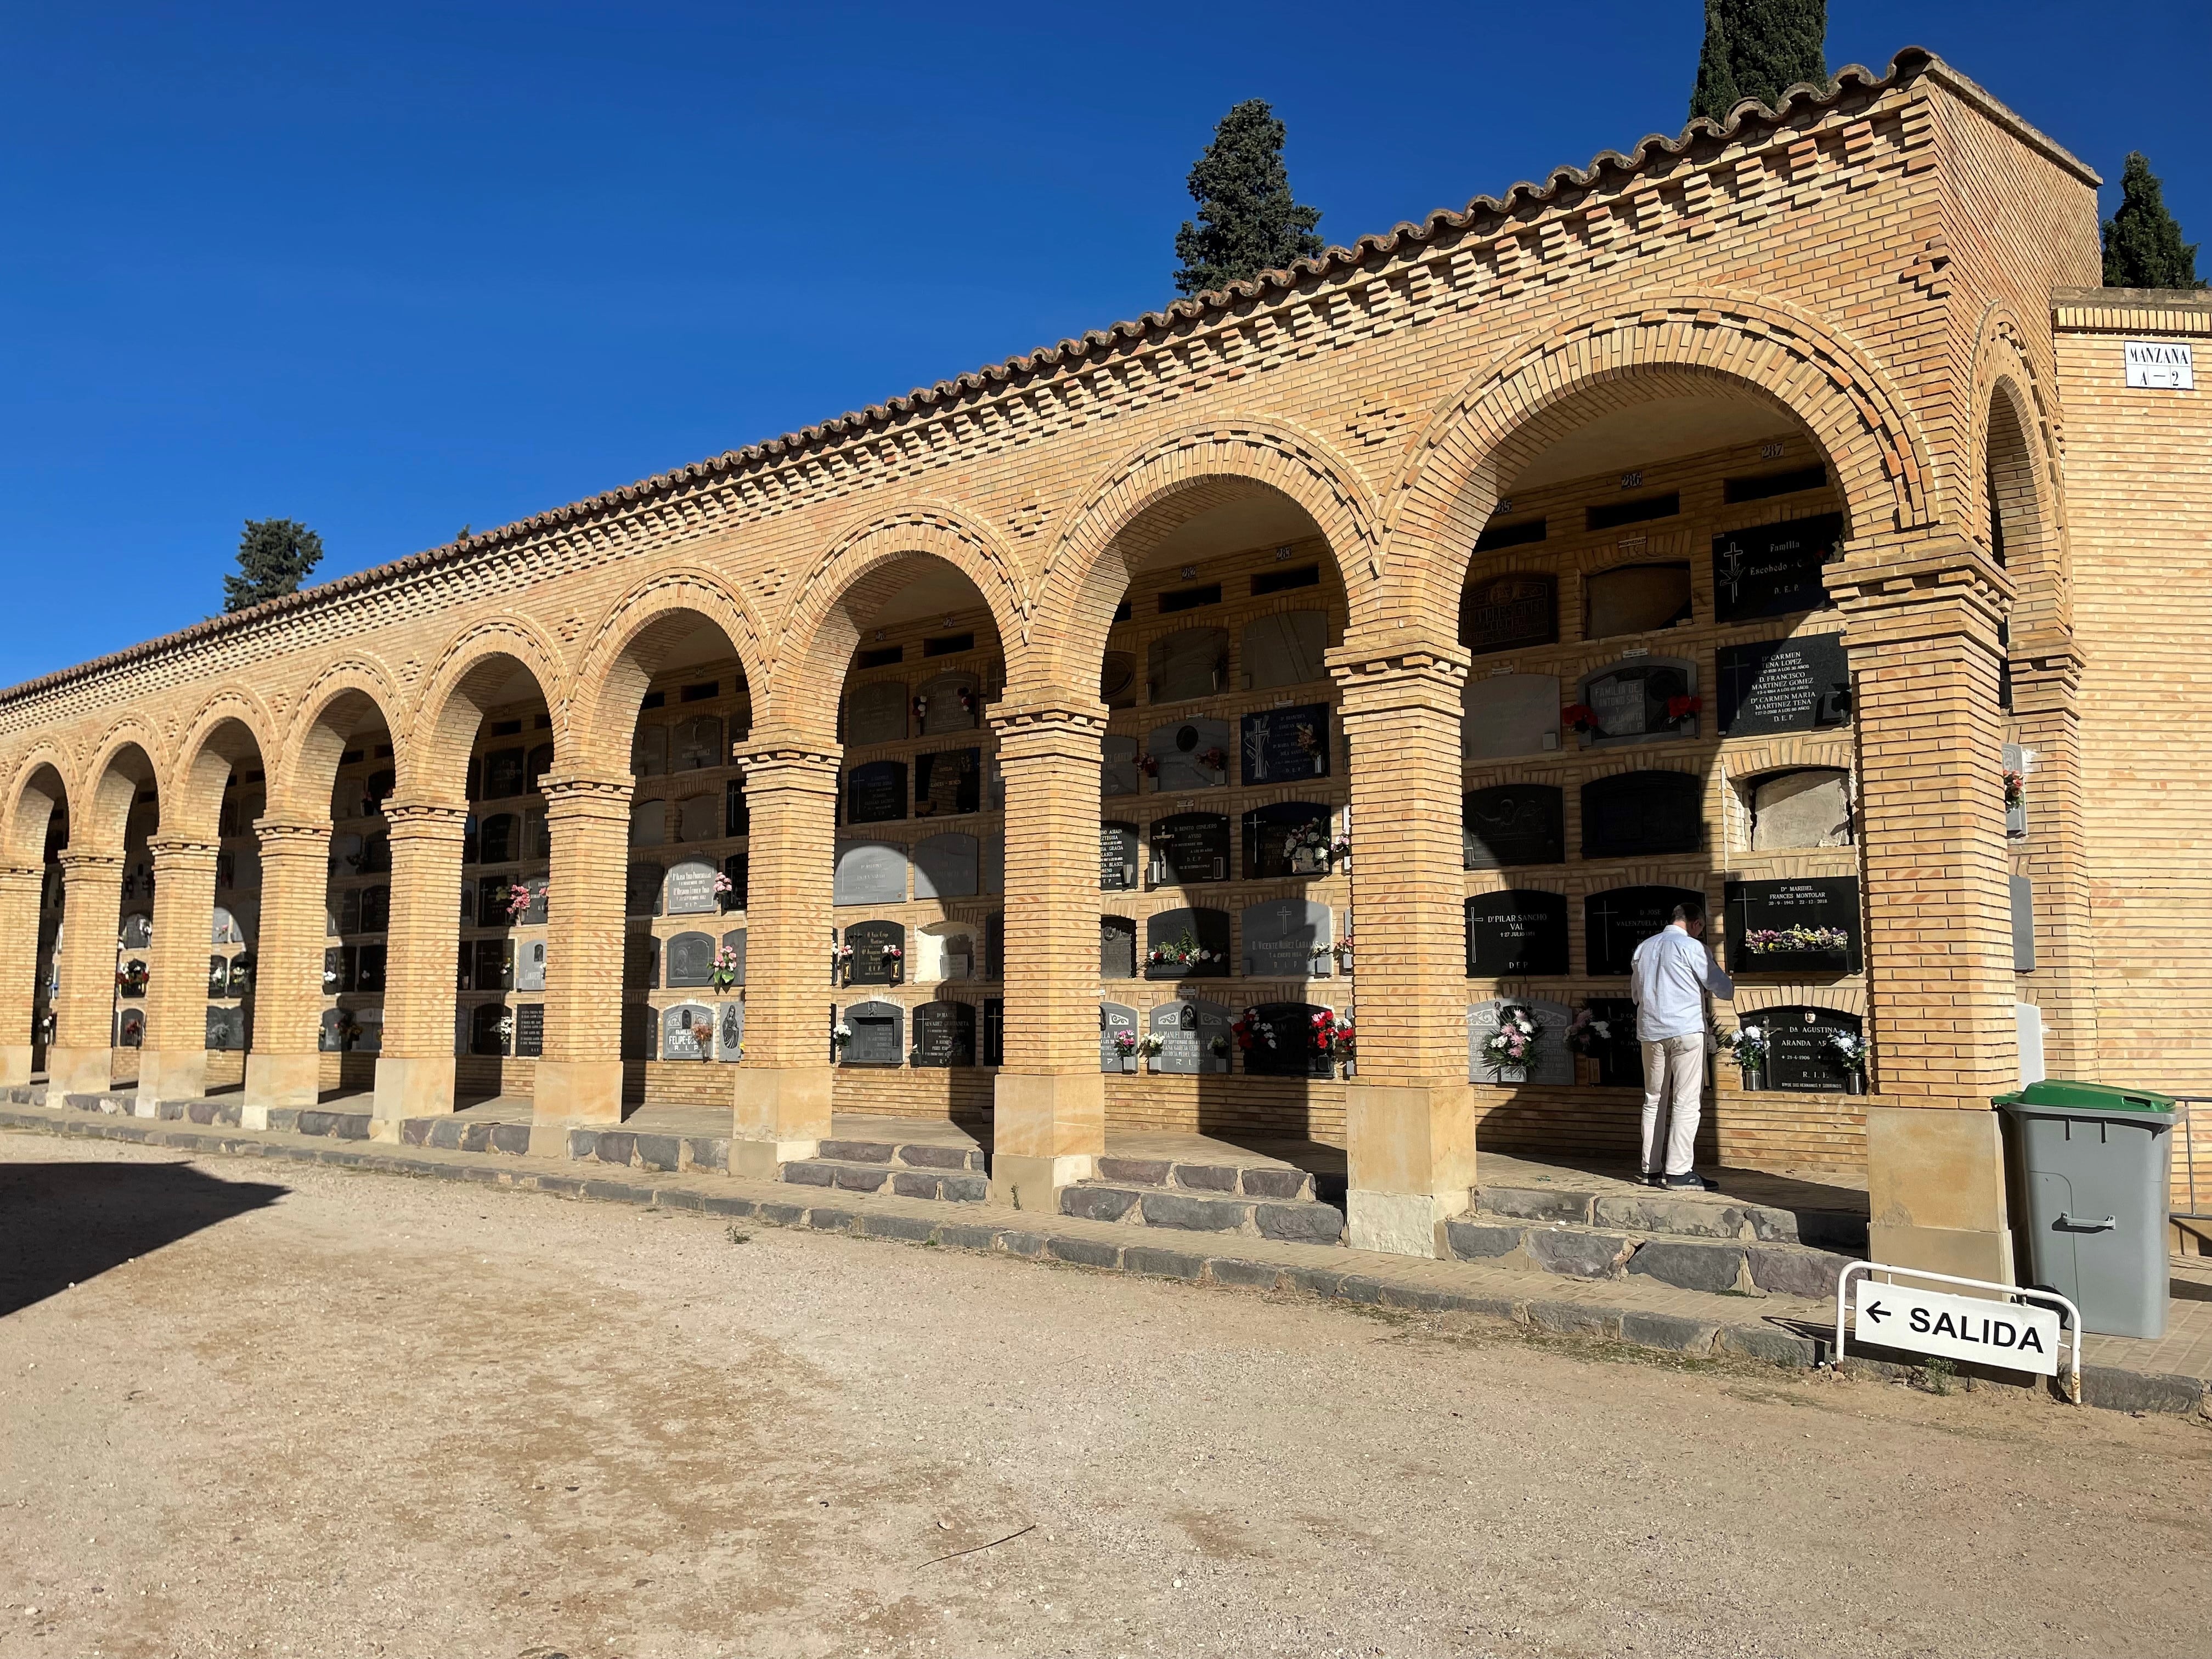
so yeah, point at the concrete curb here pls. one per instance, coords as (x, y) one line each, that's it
(2110, 1387)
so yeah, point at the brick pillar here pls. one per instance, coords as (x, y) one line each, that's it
(20, 885)
(173, 1065)
(2046, 686)
(415, 1070)
(80, 1060)
(783, 1085)
(1409, 1118)
(580, 1078)
(283, 1066)
(1049, 1105)
(1922, 612)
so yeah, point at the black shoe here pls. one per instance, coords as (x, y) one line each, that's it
(1694, 1183)
(1654, 1179)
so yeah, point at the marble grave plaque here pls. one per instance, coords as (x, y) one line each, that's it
(691, 959)
(641, 1031)
(1286, 939)
(1118, 774)
(641, 963)
(734, 942)
(699, 817)
(698, 745)
(648, 822)
(505, 773)
(1632, 701)
(1191, 664)
(945, 867)
(1285, 649)
(1509, 612)
(1636, 598)
(730, 1041)
(1190, 847)
(689, 891)
(875, 792)
(1285, 745)
(1187, 752)
(950, 702)
(737, 817)
(944, 1033)
(1784, 685)
(878, 1034)
(1282, 1042)
(648, 751)
(879, 953)
(1552, 1063)
(1810, 806)
(876, 712)
(870, 873)
(1643, 814)
(529, 1030)
(1117, 948)
(948, 782)
(1513, 823)
(1797, 1054)
(1774, 569)
(1756, 907)
(1504, 715)
(1195, 1037)
(1617, 920)
(687, 1031)
(1117, 680)
(1289, 838)
(529, 965)
(226, 1028)
(1117, 857)
(499, 839)
(1114, 1019)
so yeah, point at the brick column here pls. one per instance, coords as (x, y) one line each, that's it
(1049, 1105)
(1922, 611)
(172, 1064)
(783, 1085)
(415, 1069)
(20, 885)
(80, 1060)
(283, 1066)
(580, 1078)
(2046, 686)
(1409, 1118)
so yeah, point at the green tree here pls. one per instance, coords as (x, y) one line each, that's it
(274, 557)
(1759, 49)
(2143, 244)
(1248, 222)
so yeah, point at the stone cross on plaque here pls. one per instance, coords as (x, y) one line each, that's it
(1515, 932)
(1286, 939)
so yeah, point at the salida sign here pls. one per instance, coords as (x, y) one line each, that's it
(2007, 1334)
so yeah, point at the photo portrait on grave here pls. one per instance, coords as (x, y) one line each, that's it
(1671, 975)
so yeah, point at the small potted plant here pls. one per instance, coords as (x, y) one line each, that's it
(1847, 1050)
(1509, 1049)
(1747, 1047)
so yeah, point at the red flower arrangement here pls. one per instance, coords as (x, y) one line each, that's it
(1581, 717)
(1215, 759)
(1149, 764)
(1680, 708)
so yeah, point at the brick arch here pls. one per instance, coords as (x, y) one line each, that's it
(432, 765)
(106, 800)
(29, 809)
(1170, 480)
(304, 763)
(609, 682)
(822, 625)
(1479, 437)
(201, 771)
(2013, 447)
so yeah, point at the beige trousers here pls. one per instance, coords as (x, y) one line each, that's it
(1674, 1077)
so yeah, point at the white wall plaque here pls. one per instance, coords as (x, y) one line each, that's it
(2162, 365)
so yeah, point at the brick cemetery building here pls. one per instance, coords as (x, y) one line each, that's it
(1731, 517)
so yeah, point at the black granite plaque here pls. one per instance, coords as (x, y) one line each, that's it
(1616, 921)
(995, 945)
(241, 975)
(1290, 838)
(529, 1030)
(1774, 569)
(641, 1031)
(1285, 745)
(1513, 823)
(1784, 685)
(494, 969)
(641, 963)
(1277, 1041)
(1117, 857)
(691, 959)
(948, 782)
(642, 889)
(1798, 1056)
(879, 953)
(1506, 612)
(496, 839)
(739, 867)
(376, 909)
(1620, 1055)
(944, 1033)
(878, 1034)
(1518, 932)
(876, 792)
(1640, 814)
(1117, 948)
(485, 1036)
(492, 895)
(1190, 847)
(368, 968)
(337, 971)
(1802, 925)
(1187, 945)
(737, 817)
(226, 1028)
(995, 1031)
(505, 773)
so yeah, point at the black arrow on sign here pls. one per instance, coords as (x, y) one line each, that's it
(1874, 1312)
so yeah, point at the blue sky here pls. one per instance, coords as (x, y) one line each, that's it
(391, 269)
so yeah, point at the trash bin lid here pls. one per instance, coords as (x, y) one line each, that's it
(2086, 1097)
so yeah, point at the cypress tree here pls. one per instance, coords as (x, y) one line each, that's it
(2143, 244)
(274, 557)
(1248, 222)
(1759, 49)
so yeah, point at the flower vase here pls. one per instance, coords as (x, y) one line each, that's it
(1509, 1075)
(1587, 1070)
(1855, 1083)
(1754, 1080)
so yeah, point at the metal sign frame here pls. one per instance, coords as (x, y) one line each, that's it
(2010, 1292)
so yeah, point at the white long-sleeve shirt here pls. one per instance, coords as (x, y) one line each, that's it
(1666, 976)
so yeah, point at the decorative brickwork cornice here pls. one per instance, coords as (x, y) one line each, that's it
(1398, 671)
(1048, 722)
(180, 851)
(425, 820)
(788, 759)
(574, 796)
(80, 865)
(283, 835)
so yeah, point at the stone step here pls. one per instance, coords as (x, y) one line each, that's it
(1655, 1211)
(906, 1154)
(1270, 1181)
(1297, 1220)
(1744, 1266)
(955, 1185)
(312, 1121)
(464, 1135)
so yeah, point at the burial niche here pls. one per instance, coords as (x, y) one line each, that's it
(878, 1037)
(1193, 663)
(1550, 1062)
(1191, 754)
(1117, 856)
(944, 1033)
(1503, 715)
(1117, 948)
(1513, 823)
(1289, 838)
(948, 783)
(1285, 745)
(945, 867)
(1190, 847)
(1636, 598)
(879, 953)
(876, 712)
(1774, 569)
(1517, 933)
(948, 703)
(1810, 806)
(1190, 944)
(1117, 1037)
(1285, 649)
(1645, 700)
(1801, 1053)
(1286, 939)
(875, 792)
(1279, 1039)
(1508, 612)
(1195, 1037)
(1800, 925)
(1642, 814)
(1784, 685)
(689, 891)
(1617, 920)
(869, 873)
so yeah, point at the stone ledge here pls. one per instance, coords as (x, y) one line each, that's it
(1266, 1265)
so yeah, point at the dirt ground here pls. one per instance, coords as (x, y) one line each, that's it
(258, 1409)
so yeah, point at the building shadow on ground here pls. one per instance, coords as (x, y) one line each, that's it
(64, 1223)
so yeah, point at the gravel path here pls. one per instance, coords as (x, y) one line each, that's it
(288, 1410)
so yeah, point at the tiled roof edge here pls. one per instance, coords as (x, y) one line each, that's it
(1909, 64)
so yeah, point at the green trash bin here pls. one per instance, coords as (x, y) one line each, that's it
(2091, 1168)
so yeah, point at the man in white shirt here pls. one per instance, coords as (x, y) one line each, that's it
(1670, 973)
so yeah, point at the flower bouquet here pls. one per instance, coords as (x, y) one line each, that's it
(1848, 1051)
(1588, 1036)
(1333, 1037)
(1747, 1047)
(1508, 1049)
(1798, 946)
(725, 889)
(518, 902)
(1185, 954)
(131, 978)
(1124, 1049)
(724, 974)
